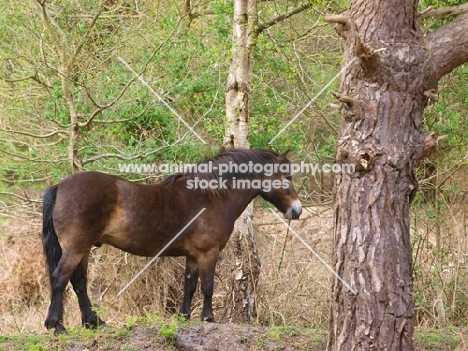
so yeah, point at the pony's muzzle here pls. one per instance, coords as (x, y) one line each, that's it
(294, 211)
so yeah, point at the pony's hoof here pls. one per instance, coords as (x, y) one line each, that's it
(184, 316)
(60, 329)
(95, 325)
(209, 319)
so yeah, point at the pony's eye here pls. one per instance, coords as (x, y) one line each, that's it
(289, 178)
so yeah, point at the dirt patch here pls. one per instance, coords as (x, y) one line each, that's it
(214, 337)
(209, 337)
(141, 338)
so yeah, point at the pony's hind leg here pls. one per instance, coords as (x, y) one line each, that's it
(89, 318)
(58, 282)
(190, 285)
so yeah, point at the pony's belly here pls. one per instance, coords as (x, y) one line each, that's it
(142, 245)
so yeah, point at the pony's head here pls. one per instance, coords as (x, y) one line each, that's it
(279, 189)
(259, 172)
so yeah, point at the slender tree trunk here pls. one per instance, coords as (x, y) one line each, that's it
(66, 65)
(383, 95)
(74, 130)
(241, 305)
(240, 73)
(441, 316)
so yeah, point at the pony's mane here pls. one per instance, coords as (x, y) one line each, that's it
(229, 156)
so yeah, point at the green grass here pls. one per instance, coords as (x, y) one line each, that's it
(25, 342)
(107, 338)
(438, 339)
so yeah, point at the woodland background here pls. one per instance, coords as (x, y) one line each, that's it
(183, 50)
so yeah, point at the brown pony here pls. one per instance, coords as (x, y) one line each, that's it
(92, 208)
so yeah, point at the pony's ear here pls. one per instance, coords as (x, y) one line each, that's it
(284, 155)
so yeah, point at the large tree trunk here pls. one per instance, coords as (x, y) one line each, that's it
(240, 304)
(383, 95)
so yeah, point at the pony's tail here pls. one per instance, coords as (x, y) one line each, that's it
(50, 243)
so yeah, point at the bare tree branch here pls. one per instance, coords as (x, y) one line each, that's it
(448, 48)
(29, 159)
(187, 12)
(16, 80)
(126, 157)
(444, 11)
(87, 34)
(28, 144)
(91, 118)
(100, 108)
(30, 180)
(58, 42)
(282, 17)
(118, 97)
(130, 118)
(39, 136)
(341, 19)
(22, 198)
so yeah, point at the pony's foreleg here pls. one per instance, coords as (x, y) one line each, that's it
(206, 265)
(190, 285)
(89, 318)
(58, 281)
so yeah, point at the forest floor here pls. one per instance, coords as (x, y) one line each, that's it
(192, 336)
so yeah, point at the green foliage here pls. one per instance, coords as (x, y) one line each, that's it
(187, 66)
(288, 330)
(441, 3)
(37, 348)
(131, 321)
(169, 330)
(273, 335)
(79, 333)
(295, 72)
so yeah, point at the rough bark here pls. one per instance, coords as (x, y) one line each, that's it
(240, 305)
(386, 91)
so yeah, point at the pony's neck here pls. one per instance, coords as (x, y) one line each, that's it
(241, 198)
(237, 199)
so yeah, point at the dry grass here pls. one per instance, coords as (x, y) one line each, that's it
(293, 289)
(293, 283)
(440, 271)
(23, 282)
